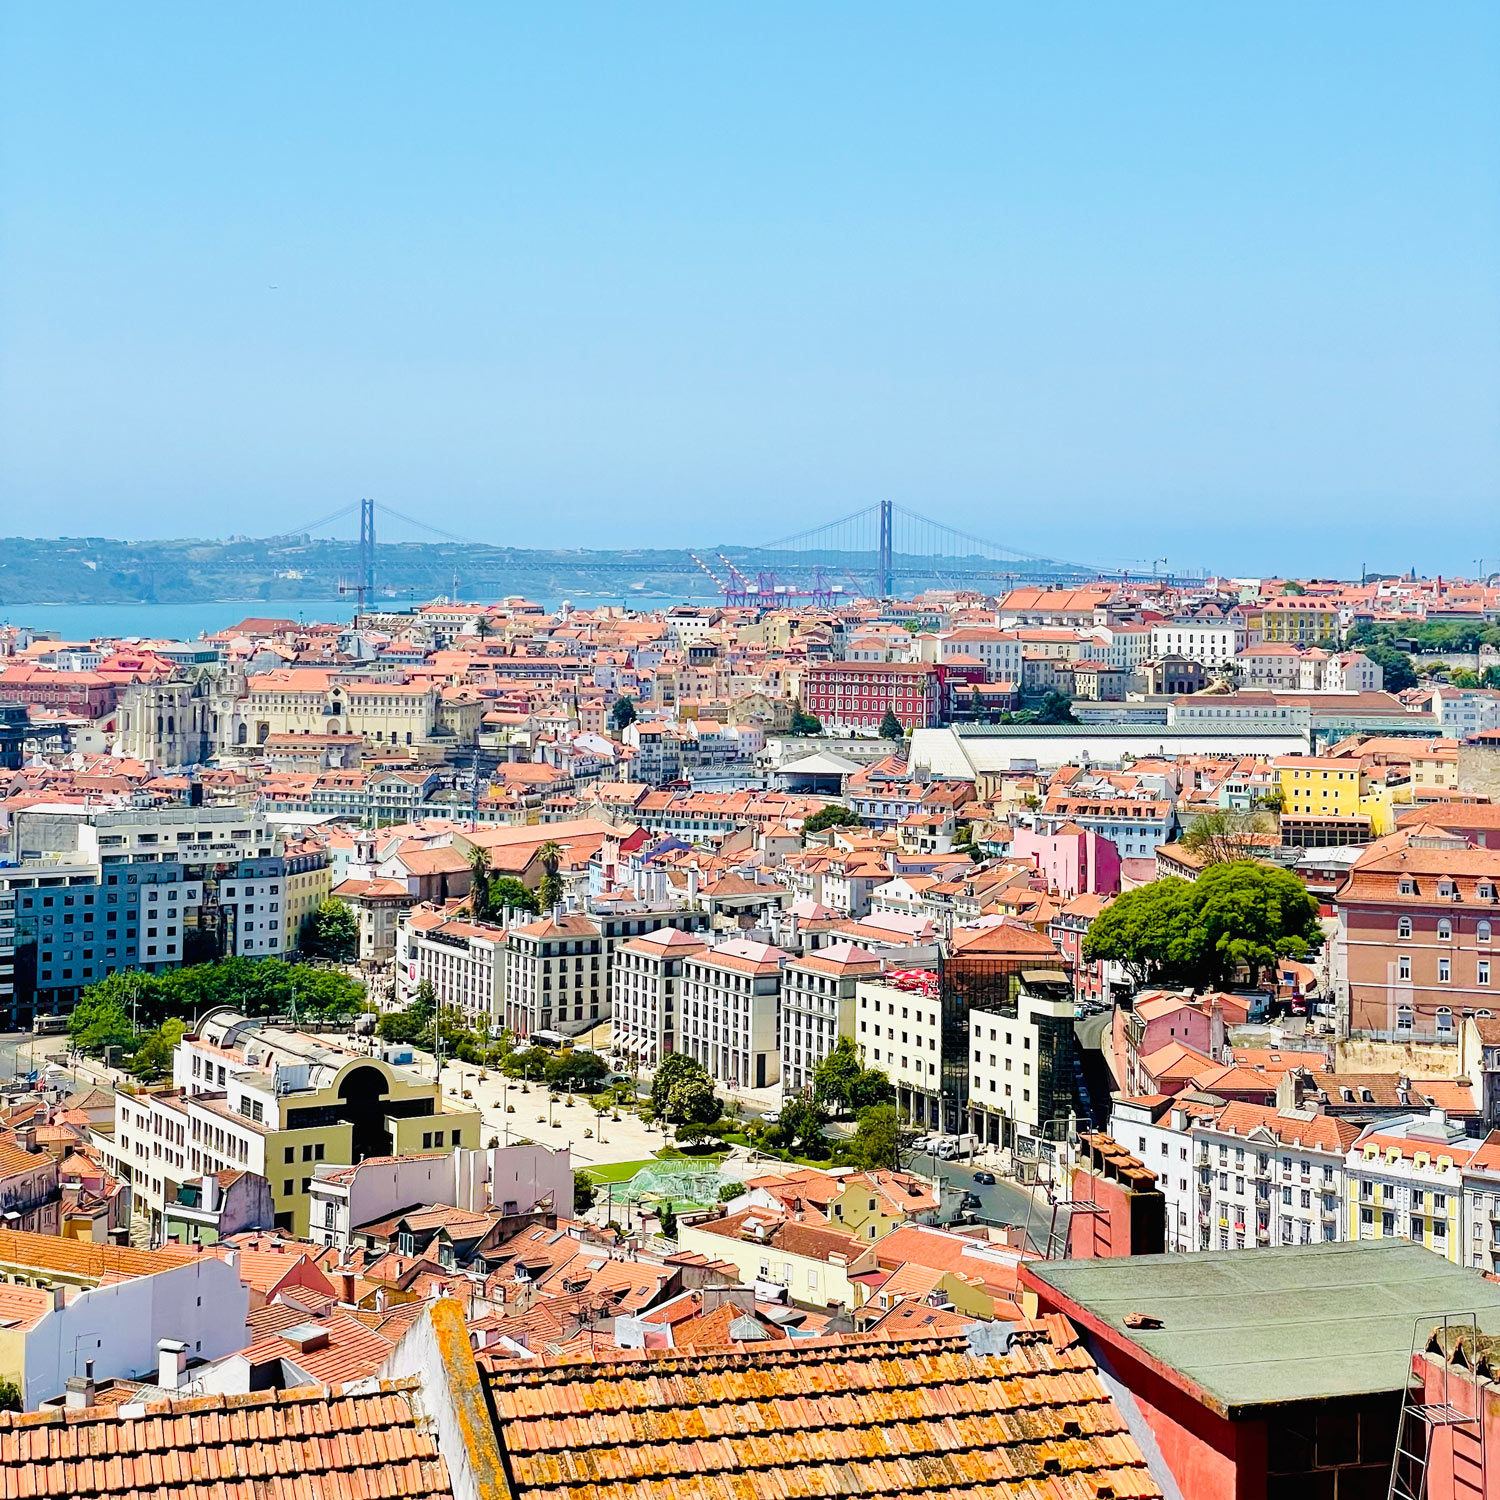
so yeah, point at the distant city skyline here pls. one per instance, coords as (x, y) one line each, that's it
(1218, 286)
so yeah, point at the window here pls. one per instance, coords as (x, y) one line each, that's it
(1403, 927)
(1403, 966)
(1445, 930)
(1483, 974)
(1445, 970)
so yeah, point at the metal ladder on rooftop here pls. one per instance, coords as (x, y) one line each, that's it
(1422, 1420)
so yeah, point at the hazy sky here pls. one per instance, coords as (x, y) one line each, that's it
(1220, 283)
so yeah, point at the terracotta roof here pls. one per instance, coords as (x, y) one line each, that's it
(310, 1444)
(848, 1417)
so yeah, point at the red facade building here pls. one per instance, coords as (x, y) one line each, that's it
(856, 694)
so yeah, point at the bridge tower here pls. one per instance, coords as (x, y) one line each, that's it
(885, 566)
(367, 547)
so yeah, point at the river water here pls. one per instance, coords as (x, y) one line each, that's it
(186, 622)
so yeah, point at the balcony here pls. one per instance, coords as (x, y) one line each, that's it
(1200, 1156)
(1261, 1173)
(1262, 1235)
(1204, 1189)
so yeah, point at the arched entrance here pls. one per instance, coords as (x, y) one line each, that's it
(363, 1091)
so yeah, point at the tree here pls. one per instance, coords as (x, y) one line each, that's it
(99, 1020)
(692, 1101)
(1249, 915)
(549, 891)
(413, 1025)
(1395, 666)
(1463, 677)
(1146, 931)
(507, 891)
(479, 884)
(831, 815)
(800, 1127)
(844, 1084)
(874, 1141)
(582, 1071)
(10, 1396)
(804, 723)
(333, 932)
(890, 725)
(666, 1219)
(530, 1062)
(1238, 915)
(622, 714)
(835, 1077)
(153, 1058)
(1223, 835)
(1293, 588)
(583, 1193)
(1055, 708)
(674, 1067)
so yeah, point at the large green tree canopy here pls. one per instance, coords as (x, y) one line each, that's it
(1240, 916)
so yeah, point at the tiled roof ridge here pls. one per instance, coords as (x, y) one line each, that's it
(179, 1406)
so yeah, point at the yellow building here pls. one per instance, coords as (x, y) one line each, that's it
(1317, 786)
(307, 884)
(250, 1096)
(1404, 1180)
(1296, 620)
(313, 700)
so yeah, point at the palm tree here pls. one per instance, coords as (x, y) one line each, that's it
(479, 884)
(549, 893)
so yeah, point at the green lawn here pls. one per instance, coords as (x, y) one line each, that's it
(619, 1171)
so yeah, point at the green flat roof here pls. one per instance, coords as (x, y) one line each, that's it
(1253, 1328)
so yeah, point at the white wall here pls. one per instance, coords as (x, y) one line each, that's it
(202, 1302)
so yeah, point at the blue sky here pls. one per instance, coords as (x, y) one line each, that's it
(1216, 283)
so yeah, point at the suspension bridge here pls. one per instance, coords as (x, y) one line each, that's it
(878, 551)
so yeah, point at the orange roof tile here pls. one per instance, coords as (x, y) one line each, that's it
(302, 1445)
(850, 1416)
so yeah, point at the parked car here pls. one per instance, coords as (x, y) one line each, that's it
(985, 1179)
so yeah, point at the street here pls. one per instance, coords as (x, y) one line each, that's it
(1003, 1203)
(19, 1048)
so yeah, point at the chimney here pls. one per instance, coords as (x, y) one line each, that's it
(26, 1137)
(80, 1390)
(171, 1363)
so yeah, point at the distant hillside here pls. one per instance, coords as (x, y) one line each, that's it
(98, 570)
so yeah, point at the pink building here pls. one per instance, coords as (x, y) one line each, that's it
(1074, 861)
(1192, 1027)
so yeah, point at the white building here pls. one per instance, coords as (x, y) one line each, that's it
(646, 987)
(1465, 712)
(999, 650)
(463, 961)
(554, 976)
(1240, 1176)
(118, 1327)
(513, 1179)
(899, 1029)
(731, 1004)
(817, 1007)
(1006, 1099)
(1211, 645)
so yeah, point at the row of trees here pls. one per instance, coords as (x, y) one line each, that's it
(256, 986)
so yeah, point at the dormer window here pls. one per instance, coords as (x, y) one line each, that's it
(1407, 887)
